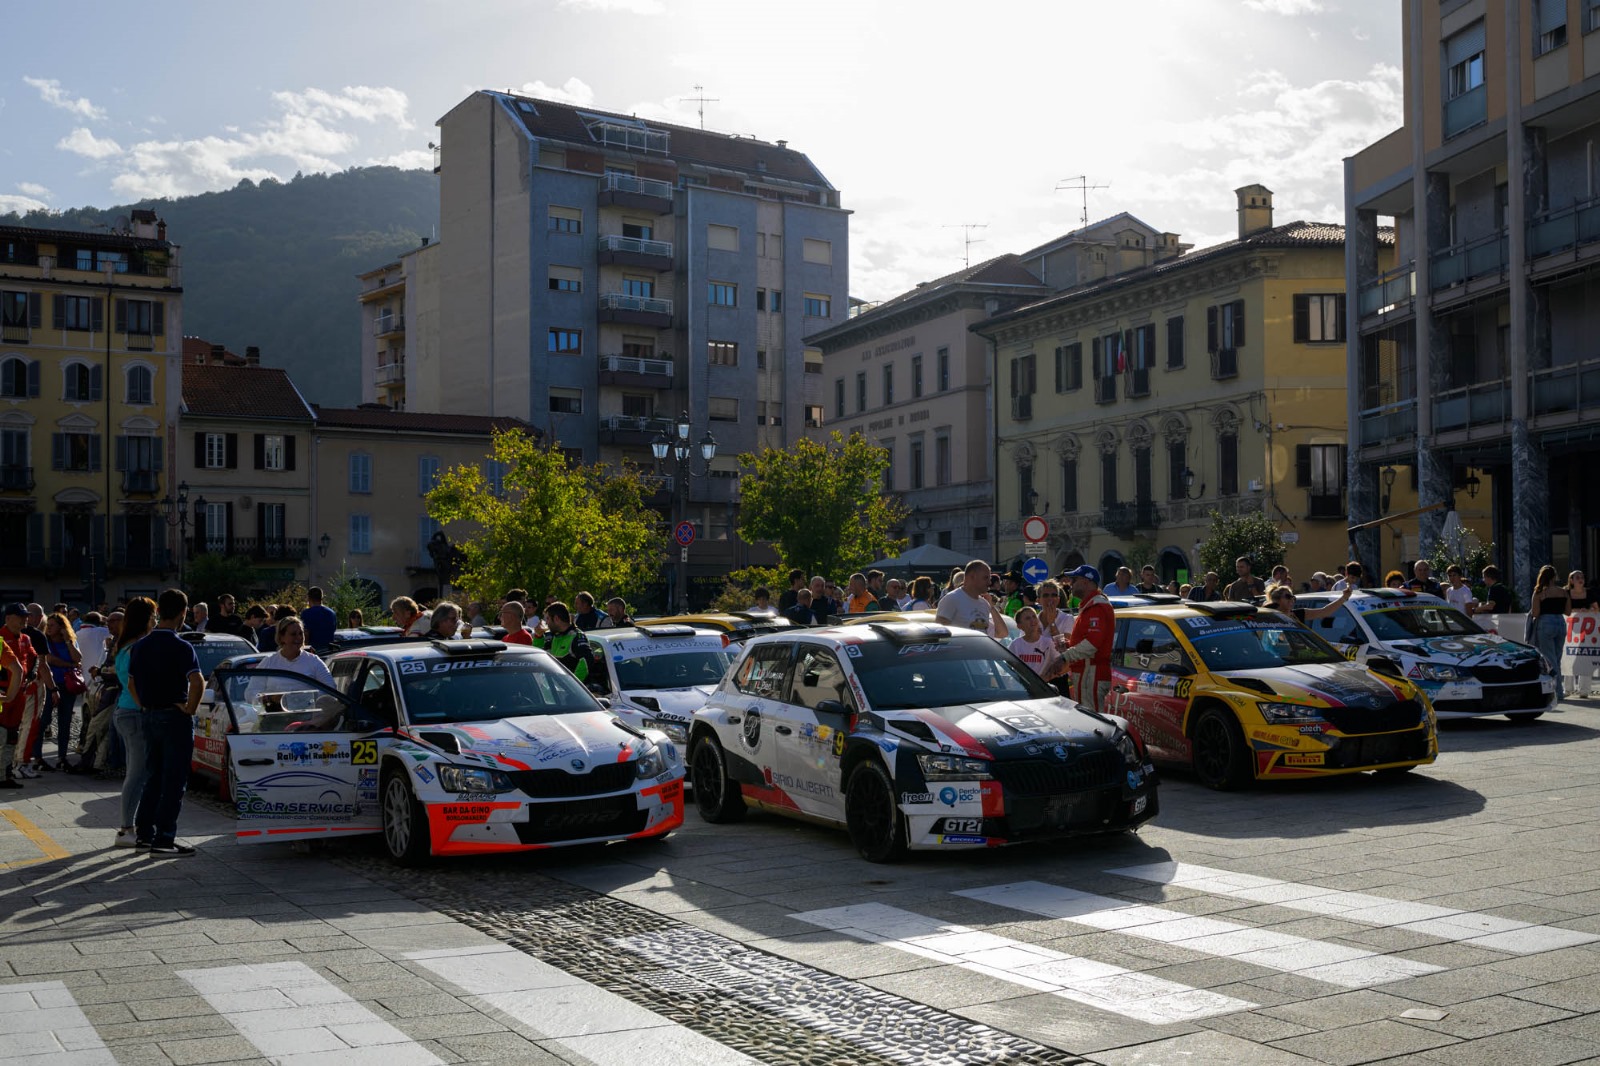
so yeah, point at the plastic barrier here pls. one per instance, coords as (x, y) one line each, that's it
(1581, 655)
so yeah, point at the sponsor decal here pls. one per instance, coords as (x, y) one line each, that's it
(751, 730)
(459, 813)
(1061, 749)
(916, 797)
(961, 825)
(1302, 758)
(363, 753)
(791, 784)
(1282, 739)
(1026, 722)
(424, 775)
(1314, 728)
(323, 751)
(251, 805)
(951, 795)
(949, 838)
(1135, 778)
(921, 649)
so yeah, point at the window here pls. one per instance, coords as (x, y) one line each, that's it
(427, 473)
(916, 376)
(861, 391)
(1103, 357)
(75, 451)
(1591, 15)
(19, 378)
(817, 306)
(214, 526)
(566, 401)
(426, 528)
(141, 318)
(633, 285)
(564, 341)
(79, 313)
(761, 299)
(946, 539)
(565, 219)
(1550, 25)
(722, 409)
(888, 383)
(141, 385)
(494, 471)
(1108, 481)
(888, 467)
(1069, 367)
(1023, 381)
(360, 534)
(722, 294)
(1228, 464)
(638, 231)
(1318, 317)
(722, 238)
(944, 369)
(19, 312)
(1177, 463)
(941, 459)
(216, 451)
(81, 382)
(722, 353)
(1069, 486)
(775, 301)
(360, 472)
(272, 452)
(638, 406)
(765, 673)
(1025, 493)
(638, 348)
(769, 413)
(1465, 95)
(1140, 358)
(566, 279)
(916, 463)
(774, 246)
(1175, 343)
(140, 460)
(815, 251)
(814, 415)
(813, 361)
(761, 358)
(1320, 468)
(838, 398)
(1224, 337)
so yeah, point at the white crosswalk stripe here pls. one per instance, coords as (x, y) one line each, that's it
(296, 1017)
(41, 1024)
(1097, 984)
(1337, 964)
(603, 1027)
(1467, 927)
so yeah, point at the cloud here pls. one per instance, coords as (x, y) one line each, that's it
(364, 102)
(31, 188)
(51, 92)
(86, 144)
(572, 91)
(412, 159)
(1286, 7)
(20, 204)
(622, 7)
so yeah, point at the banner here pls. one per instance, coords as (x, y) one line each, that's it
(1581, 654)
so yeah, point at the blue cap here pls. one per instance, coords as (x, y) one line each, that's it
(1084, 571)
(16, 608)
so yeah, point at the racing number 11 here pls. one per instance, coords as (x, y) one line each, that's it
(363, 753)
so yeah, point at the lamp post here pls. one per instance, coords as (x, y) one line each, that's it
(1389, 475)
(175, 512)
(683, 456)
(1188, 483)
(322, 546)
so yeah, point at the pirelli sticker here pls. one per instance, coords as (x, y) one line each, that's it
(1302, 758)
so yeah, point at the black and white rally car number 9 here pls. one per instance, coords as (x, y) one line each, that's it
(961, 825)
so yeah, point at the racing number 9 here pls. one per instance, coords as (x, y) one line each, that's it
(363, 753)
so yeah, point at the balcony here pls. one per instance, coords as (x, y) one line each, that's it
(13, 334)
(627, 429)
(1394, 291)
(1225, 363)
(1466, 111)
(1486, 405)
(391, 373)
(1021, 408)
(636, 373)
(1325, 505)
(389, 325)
(1139, 382)
(657, 489)
(1567, 389)
(139, 557)
(143, 481)
(1105, 390)
(1125, 519)
(635, 251)
(623, 309)
(1461, 263)
(16, 479)
(1571, 227)
(1388, 424)
(642, 194)
(286, 549)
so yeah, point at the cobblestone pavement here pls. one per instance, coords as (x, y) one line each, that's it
(1450, 916)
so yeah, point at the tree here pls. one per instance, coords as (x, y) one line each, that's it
(553, 527)
(819, 504)
(208, 576)
(739, 593)
(1253, 535)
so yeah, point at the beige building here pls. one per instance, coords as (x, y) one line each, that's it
(400, 330)
(372, 470)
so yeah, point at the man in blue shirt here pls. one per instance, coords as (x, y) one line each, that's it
(320, 621)
(165, 680)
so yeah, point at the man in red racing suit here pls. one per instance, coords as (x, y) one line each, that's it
(1088, 648)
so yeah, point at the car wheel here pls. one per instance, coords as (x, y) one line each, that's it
(1221, 758)
(716, 795)
(405, 822)
(877, 828)
(1524, 717)
(228, 781)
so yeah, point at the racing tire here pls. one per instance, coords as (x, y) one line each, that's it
(716, 795)
(228, 782)
(877, 828)
(1524, 717)
(1221, 757)
(405, 822)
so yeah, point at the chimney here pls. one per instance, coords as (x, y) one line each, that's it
(1255, 209)
(161, 229)
(252, 356)
(1167, 247)
(219, 355)
(783, 144)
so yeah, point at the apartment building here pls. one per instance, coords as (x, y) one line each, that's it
(1475, 358)
(600, 275)
(1129, 409)
(400, 329)
(90, 331)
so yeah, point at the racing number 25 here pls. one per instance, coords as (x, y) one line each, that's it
(363, 753)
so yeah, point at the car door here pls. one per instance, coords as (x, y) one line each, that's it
(1342, 630)
(808, 768)
(1153, 680)
(751, 711)
(304, 758)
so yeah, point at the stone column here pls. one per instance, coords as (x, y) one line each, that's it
(1433, 368)
(1360, 267)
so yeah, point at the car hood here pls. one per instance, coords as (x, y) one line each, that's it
(536, 743)
(1334, 684)
(1006, 728)
(677, 704)
(1468, 649)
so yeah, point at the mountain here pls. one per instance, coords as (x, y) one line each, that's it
(274, 264)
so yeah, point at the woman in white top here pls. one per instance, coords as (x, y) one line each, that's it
(291, 657)
(1036, 647)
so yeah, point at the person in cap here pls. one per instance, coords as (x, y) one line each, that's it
(1088, 649)
(1011, 592)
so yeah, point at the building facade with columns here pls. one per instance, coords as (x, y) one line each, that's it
(1476, 359)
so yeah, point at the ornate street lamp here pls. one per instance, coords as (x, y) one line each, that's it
(175, 512)
(682, 455)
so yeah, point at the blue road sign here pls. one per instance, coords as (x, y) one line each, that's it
(1035, 570)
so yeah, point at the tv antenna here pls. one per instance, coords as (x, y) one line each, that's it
(702, 99)
(967, 239)
(1080, 184)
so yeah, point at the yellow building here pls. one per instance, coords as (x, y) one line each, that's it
(1128, 409)
(90, 342)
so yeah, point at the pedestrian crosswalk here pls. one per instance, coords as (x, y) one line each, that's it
(41, 1024)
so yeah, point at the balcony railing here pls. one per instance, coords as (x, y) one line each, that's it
(1022, 408)
(1466, 111)
(1567, 228)
(389, 373)
(621, 301)
(1325, 505)
(1391, 422)
(638, 246)
(140, 480)
(1398, 286)
(1225, 363)
(1473, 259)
(638, 186)
(16, 478)
(636, 424)
(1123, 519)
(1105, 390)
(1475, 405)
(633, 138)
(626, 364)
(292, 549)
(11, 334)
(1574, 387)
(389, 324)
(139, 557)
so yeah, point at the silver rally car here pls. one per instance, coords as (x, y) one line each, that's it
(912, 735)
(455, 747)
(657, 676)
(1465, 671)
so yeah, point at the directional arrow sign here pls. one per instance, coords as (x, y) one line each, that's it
(1035, 570)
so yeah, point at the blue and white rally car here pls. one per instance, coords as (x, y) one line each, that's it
(657, 676)
(1465, 671)
(912, 735)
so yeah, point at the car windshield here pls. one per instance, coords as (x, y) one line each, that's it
(212, 652)
(1256, 643)
(479, 690)
(1403, 623)
(898, 677)
(646, 668)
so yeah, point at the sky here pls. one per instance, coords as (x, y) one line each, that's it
(929, 116)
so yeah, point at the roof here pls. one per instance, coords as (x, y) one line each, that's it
(377, 417)
(198, 350)
(1004, 272)
(252, 392)
(91, 238)
(563, 122)
(1087, 233)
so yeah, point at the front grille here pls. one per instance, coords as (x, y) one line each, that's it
(1043, 777)
(1513, 698)
(612, 816)
(1377, 750)
(1508, 675)
(552, 784)
(1405, 714)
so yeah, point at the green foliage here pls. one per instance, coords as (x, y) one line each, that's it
(205, 577)
(347, 591)
(558, 528)
(1468, 552)
(819, 504)
(274, 264)
(739, 593)
(1141, 550)
(291, 595)
(1252, 535)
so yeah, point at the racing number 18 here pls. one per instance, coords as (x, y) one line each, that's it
(363, 753)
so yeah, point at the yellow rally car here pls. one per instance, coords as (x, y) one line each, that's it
(1241, 693)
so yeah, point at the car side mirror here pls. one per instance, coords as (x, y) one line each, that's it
(604, 702)
(1174, 670)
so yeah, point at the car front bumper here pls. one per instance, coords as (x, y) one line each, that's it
(514, 822)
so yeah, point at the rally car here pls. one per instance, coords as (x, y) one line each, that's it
(912, 735)
(739, 626)
(657, 676)
(1464, 670)
(1241, 693)
(446, 748)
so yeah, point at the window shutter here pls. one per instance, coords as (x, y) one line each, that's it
(35, 309)
(95, 446)
(96, 382)
(1302, 318)
(1338, 327)
(232, 461)
(58, 312)
(36, 540)
(199, 451)
(97, 538)
(119, 540)
(122, 453)
(122, 315)
(227, 526)
(1302, 463)
(58, 538)
(1061, 368)
(1211, 329)
(1094, 356)
(1077, 366)
(157, 456)
(288, 451)
(261, 451)
(58, 451)
(261, 525)
(158, 318)
(199, 527)
(1014, 377)
(1238, 323)
(97, 316)
(33, 377)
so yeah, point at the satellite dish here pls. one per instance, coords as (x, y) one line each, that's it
(123, 224)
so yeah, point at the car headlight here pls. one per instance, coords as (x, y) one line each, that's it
(473, 779)
(1438, 672)
(1289, 712)
(648, 761)
(1544, 664)
(952, 767)
(1130, 751)
(675, 730)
